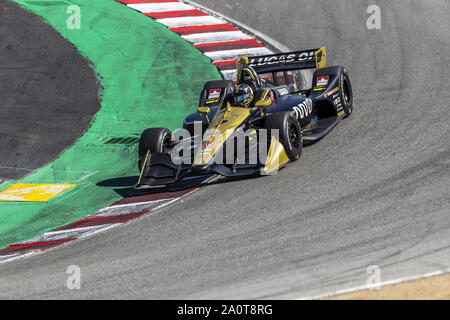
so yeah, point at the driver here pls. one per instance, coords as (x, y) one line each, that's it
(244, 94)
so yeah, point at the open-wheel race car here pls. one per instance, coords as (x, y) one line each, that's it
(254, 125)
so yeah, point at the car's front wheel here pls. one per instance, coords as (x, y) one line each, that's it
(289, 132)
(154, 140)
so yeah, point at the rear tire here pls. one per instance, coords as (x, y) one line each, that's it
(346, 94)
(153, 140)
(290, 133)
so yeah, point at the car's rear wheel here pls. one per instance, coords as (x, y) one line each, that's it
(346, 94)
(289, 133)
(154, 140)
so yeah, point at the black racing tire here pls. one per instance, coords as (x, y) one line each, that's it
(153, 140)
(346, 94)
(290, 133)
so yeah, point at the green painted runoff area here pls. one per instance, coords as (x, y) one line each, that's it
(150, 77)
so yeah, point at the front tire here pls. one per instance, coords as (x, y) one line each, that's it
(154, 140)
(290, 133)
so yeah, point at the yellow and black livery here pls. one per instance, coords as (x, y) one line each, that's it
(227, 138)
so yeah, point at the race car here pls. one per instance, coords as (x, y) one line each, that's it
(254, 125)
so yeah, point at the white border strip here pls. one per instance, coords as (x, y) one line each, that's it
(10, 257)
(129, 208)
(69, 233)
(198, 38)
(189, 21)
(160, 7)
(381, 285)
(128, 205)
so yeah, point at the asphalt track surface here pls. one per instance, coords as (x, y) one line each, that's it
(375, 191)
(44, 106)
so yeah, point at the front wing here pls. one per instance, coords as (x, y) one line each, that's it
(158, 169)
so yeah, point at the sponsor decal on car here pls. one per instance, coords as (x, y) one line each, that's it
(283, 58)
(322, 81)
(303, 110)
(214, 94)
(329, 93)
(337, 102)
(282, 91)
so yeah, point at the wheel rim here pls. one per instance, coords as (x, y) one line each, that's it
(166, 143)
(294, 136)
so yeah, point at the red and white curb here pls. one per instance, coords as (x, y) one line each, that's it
(218, 40)
(120, 212)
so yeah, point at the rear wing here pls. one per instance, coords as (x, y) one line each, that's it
(297, 60)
